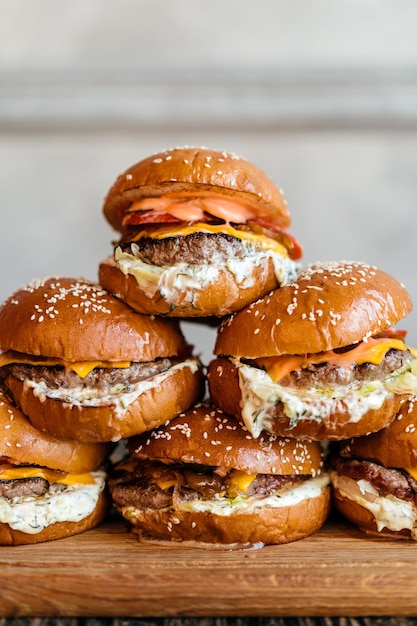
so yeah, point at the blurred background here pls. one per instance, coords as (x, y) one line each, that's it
(322, 95)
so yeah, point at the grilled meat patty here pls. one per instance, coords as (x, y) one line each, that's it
(192, 249)
(156, 485)
(329, 375)
(101, 378)
(387, 480)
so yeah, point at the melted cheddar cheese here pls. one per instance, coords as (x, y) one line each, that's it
(82, 368)
(371, 351)
(180, 230)
(16, 472)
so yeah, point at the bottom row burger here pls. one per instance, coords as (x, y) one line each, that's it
(203, 480)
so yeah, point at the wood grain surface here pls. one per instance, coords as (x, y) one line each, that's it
(106, 572)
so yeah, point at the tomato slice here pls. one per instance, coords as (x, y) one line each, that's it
(295, 249)
(393, 333)
(148, 217)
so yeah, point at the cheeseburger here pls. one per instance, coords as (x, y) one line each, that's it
(49, 488)
(202, 233)
(203, 478)
(82, 365)
(375, 478)
(317, 358)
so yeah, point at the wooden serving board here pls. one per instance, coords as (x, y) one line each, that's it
(106, 572)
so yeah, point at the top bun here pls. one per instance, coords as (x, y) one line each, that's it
(330, 305)
(393, 446)
(207, 436)
(76, 320)
(22, 442)
(195, 170)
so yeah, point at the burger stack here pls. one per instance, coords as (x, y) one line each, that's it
(305, 361)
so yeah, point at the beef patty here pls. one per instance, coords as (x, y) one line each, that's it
(101, 378)
(194, 249)
(324, 375)
(387, 480)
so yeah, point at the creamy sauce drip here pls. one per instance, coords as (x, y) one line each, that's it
(389, 512)
(260, 395)
(32, 514)
(119, 396)
(188, 279)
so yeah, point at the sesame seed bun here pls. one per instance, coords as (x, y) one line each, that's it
(330, 306)
(194, 169)
(204, 438)
(207, 436)
(22, 442)
(77, 320)
(140, 371)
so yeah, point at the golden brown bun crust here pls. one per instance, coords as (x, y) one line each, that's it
(196, 169)
(330, 305)
(59, 530)
(267, 525)
(393, 446)
(223, 375)
(205, 435)
(363, 519)
(177, 393)
(76, 320)
(24, 443)
(217, 299)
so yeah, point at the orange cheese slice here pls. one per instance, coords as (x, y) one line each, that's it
(239, 482)
(16, 472)
(82, 368)
(174, 230)
(371, 351)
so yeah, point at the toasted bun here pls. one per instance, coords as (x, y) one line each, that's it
(267, 525)
(195, 170)
(393, 446)
(218, 298)
(153, 407)
(24, 443)
(205, 435)
(329, 306)
(363, 519)
(223, 375)
(59, 530)
(76, 320)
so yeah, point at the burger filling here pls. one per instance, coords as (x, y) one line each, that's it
(190, 262)
(310, 390)
(33, 498)
(102, 386)
(189, 487)
(390, 494)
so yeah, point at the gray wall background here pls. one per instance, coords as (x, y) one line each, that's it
(320, 94)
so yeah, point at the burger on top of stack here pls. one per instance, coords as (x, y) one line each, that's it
(202, 233)
(303, 357)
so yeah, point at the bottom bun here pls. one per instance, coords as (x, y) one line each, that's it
(220, 296)
(338, 425)
(180, 389)
(364, 519)
(268, 525)
(59, 530)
